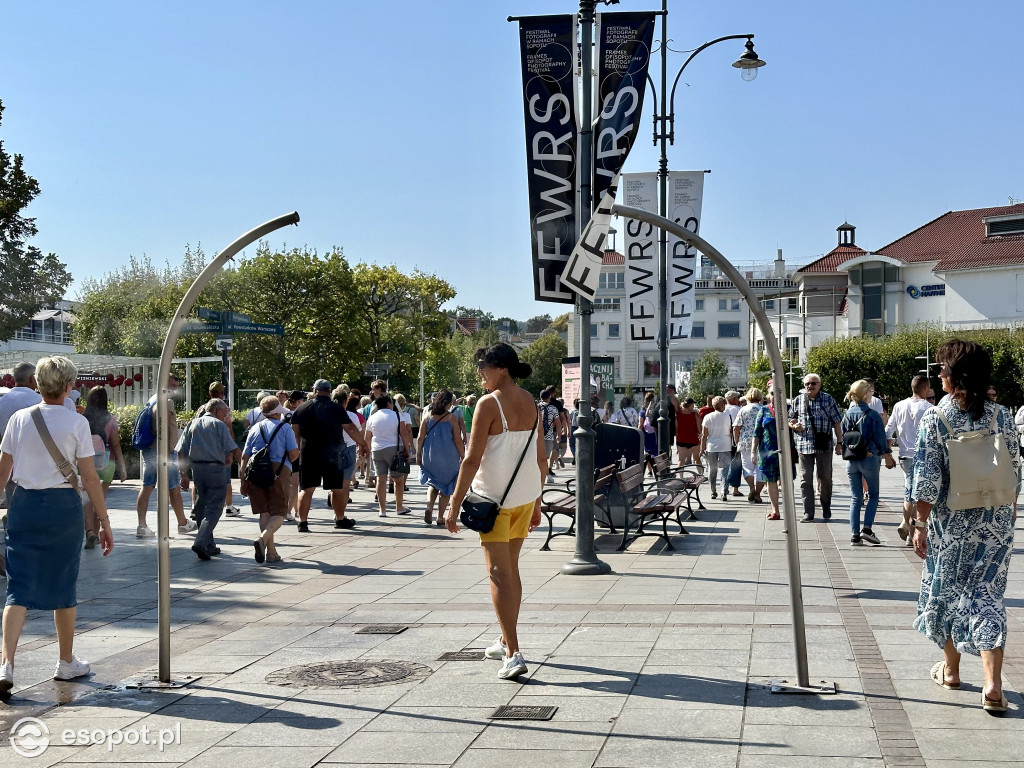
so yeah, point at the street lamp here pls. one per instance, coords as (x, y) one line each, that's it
(664, 131)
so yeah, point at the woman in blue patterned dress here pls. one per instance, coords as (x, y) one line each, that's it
(765, 450)
(440, 448)
(967, 552)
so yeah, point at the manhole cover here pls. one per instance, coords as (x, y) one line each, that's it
(382, 629)
(513, 712)
(349, 674)
(462, 656)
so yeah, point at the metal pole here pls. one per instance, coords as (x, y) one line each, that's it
(664, 427)
(585, 561)
(163, 434)
(782, 423)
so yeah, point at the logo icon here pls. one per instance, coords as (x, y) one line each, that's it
(30, 737)
(914, 292)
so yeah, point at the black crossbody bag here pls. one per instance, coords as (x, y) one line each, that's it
(478, 511)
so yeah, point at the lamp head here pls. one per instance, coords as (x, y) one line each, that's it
(749, 62)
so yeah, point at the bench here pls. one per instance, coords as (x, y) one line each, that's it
(686, 479)
(554, 502)
(647, 506)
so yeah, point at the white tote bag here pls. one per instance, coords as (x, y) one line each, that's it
(980, 469)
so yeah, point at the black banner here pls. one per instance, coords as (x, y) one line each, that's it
(548, 49)
(624, 53)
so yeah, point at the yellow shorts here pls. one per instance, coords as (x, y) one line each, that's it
(512, 523)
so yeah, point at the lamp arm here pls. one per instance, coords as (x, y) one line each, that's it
(672, 99)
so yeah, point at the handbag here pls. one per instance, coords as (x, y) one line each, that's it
(400, 464)
(981, 473)
(478, 511)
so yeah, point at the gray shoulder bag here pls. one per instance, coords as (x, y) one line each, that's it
(63, 464)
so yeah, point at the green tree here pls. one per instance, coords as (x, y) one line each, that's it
(537, 324)
(29, 280)
(708, 375)
(560, 323)
(545, 357)
(759, 371)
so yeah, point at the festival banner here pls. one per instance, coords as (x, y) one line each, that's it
(623, 55)
(583, 272)
(548, 51)
(685, 195)
(640, 243)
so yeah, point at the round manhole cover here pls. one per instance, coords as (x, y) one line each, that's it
(349, 674)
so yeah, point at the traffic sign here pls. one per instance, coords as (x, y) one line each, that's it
(194, 327)
(225, 343)
(213, 315)
(236, 317)
(231, 327)
(377, 369)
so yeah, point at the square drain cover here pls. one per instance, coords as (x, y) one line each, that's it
(462, 656)
(514, 712)
(382, 629)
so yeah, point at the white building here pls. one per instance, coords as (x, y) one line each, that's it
(721, 321)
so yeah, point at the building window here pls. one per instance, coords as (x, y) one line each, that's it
(613, 330)
(793, 347)
(769, 304)
(699, 305)
(735, 306)
(728, 330)
(791, 305)
(602, 281)
(697, 331)
(593, 331)
(606, 305)
(723, 305)
(760, 347)
(872, 278)
(611, 281)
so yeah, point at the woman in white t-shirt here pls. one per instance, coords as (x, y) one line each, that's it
(44, 519)
(716, 444)
(388, 434)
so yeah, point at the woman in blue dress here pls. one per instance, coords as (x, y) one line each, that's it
(966, 551)
(440, 448)
(765, 450)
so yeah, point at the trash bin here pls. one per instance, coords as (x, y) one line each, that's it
(622, 446)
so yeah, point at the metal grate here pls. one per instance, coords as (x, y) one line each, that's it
(462, 655)
(350, 674)
(514, 712)
(382, 629)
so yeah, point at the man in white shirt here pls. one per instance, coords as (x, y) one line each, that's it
(904, 422)
(22, 395)
(716, 445)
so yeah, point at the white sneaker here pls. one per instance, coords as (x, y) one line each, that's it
(382, 514)
(232, 511)
(188, 527)
(6, 677)
(145, 532)
(497, 651)
(513, 667)
(69, 670)
(289, 518)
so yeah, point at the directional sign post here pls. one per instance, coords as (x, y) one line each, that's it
(225, 323)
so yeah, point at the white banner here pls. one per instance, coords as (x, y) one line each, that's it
(583, 271)
(640, 190)
(685, 195)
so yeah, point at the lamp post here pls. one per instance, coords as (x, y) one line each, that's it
(585, 561)
(664, 131)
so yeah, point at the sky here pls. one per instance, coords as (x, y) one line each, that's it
(396, 129)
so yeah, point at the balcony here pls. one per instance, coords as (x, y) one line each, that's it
(46, 336)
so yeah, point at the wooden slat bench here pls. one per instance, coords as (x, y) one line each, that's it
(554, 502)
(687, 480)
(647, 506)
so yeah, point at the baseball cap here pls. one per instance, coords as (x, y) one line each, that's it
(688, 401)
(322, 385)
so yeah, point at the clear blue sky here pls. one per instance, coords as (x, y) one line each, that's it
(395, 128)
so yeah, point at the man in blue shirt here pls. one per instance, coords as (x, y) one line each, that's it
(814, 417)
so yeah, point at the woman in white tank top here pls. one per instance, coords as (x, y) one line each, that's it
(504, 426)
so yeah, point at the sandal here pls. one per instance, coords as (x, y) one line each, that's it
(774, 516)
(939, 678)
(991, 705)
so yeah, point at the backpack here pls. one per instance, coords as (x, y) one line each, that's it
(260, 469)
(981, 472)
(855, 447)
(144, 429)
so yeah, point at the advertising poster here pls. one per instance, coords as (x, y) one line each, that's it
(602, 379)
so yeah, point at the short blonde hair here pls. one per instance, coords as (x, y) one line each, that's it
(860, 391)
(718, 403)
(54, 375)
(400, 399)
(754, 395)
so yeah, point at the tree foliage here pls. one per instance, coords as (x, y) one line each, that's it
(29, 279)
(759, 371)
(545, 357)
(708, 376)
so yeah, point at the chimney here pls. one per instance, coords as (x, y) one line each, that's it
(780, 265)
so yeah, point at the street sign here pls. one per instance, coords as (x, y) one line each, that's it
(213, 315)
(194, 327)
(236, 317)
(232, 327)
(377, 369)
(225, 343)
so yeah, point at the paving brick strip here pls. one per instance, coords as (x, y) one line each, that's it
(896, 739)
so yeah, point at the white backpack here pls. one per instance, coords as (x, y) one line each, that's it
(981, 472)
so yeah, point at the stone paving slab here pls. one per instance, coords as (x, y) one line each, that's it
(665, 661)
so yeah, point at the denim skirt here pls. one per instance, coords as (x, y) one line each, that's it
(44, 548)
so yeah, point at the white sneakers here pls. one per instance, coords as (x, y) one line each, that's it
(6, 677)
(69, 670)
(498, 651)
(513, 667)
(145, 532)
(232, 511)
(189, 527)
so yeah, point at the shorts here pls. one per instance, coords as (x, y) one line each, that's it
(273, 500)
(315, 471)
(907, 465)
(512, 523)
(107, 473)
(686, 445)
(382, 462)
(750, 468)
(149, 467)
(549, 447)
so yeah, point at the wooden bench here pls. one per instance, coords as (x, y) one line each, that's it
(554, 502)
(647, 506)
(686, 479)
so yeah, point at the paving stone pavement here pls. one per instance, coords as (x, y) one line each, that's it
(665, 661)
